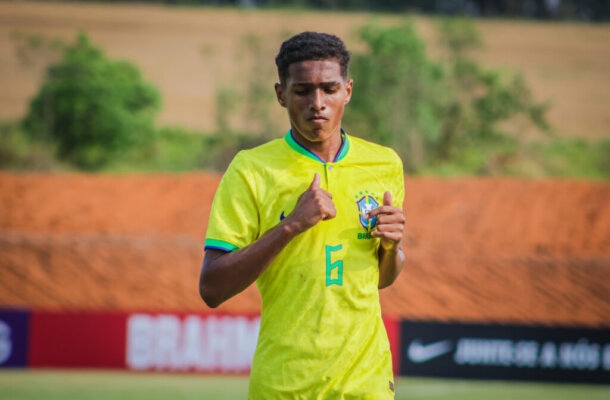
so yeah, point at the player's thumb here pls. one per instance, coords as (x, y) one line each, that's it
(387, 198)
(316, 181)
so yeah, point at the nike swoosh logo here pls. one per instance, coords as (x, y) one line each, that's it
(282, 216)
(420, 353)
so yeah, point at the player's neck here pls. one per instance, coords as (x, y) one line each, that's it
(327, 149)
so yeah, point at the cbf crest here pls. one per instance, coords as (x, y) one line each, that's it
(366, 203)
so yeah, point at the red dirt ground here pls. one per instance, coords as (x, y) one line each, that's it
(498, 250)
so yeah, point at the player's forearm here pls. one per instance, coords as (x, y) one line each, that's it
(391, 262)
(223, 275)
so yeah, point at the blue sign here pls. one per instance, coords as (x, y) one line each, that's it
(14, 331)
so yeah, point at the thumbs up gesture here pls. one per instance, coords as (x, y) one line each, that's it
(390, 222)
(314, 205)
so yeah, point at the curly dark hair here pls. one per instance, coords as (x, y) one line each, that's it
(311, 46)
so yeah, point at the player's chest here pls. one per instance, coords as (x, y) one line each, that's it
(352, 195)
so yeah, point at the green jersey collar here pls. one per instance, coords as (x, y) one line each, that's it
(296, 146)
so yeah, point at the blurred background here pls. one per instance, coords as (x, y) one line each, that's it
(117, 120)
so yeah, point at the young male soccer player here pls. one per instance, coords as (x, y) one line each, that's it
(315, 218)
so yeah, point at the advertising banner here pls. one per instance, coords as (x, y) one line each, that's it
(77, 339)
(149, 341)
(191, 342)
(204, 343)
(392, 327)
(14, 329)
(506, 352)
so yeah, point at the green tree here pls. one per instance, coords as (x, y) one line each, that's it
(427, 110)
(92, 108)
(482, 98)
(398, 94)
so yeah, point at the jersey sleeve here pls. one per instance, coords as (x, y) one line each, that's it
(234, 217)
(398, 184)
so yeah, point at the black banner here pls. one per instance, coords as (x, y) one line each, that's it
(505, 352)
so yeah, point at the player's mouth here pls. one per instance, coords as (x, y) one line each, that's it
(317, 119)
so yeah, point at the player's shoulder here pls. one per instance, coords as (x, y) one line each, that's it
(260, 154)
(365, 149)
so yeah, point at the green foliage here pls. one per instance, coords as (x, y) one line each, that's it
(34, 49)
(227, 101)
(459, 35)
(428, 110)
(169, 149)
(558, 158)
(574, 158)
(176, 149)
(397, 95)
(222, 147)
(255, 97)
(20, 152)
(491, 97)
(259, 97)
(91, 107)
(444, 117)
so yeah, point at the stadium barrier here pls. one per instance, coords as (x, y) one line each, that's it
(219, 343)
(137, 341)
(505, 352)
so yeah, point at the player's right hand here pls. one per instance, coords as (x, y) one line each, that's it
(314, 205)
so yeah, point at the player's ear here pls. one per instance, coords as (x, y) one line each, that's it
(348, 88)
(279, 93)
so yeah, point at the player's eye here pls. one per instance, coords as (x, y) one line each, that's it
(300, 90)
(334, 88)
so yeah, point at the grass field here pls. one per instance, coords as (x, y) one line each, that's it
(98, 385)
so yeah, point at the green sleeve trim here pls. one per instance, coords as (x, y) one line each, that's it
(219, 245)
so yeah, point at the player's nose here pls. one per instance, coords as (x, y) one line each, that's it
(317, 100)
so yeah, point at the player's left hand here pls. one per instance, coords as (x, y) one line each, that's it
(390, 223)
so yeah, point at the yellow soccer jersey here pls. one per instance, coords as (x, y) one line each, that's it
(321, 336)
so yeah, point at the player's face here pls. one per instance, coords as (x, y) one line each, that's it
(315, 95)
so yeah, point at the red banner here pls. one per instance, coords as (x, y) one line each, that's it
(176, 342)
(392, 327)
(77, 339)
